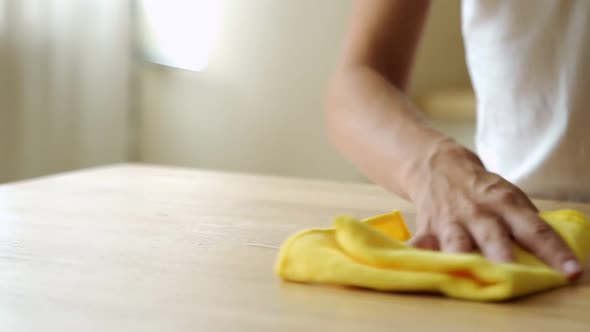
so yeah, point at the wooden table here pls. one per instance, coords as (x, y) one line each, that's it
(138, 248)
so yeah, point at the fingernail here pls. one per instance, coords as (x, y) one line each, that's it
(572, 269)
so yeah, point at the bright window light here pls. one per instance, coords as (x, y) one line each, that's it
(179, 33)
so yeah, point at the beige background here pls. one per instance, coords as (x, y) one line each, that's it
(64, 85)
(258, 106)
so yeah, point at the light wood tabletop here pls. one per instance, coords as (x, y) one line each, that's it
(141, 248)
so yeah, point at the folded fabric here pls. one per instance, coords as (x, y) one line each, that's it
(372, 254)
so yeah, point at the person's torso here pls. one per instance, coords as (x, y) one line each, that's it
(529, 62)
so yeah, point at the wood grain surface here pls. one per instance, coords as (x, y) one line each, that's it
(142, 248)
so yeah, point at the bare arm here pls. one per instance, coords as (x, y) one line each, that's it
(367, 104)
(374, 124)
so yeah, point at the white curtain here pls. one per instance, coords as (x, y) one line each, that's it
(64, 85)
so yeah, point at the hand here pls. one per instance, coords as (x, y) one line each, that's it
(463, 207)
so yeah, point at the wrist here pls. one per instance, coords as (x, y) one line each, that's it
(443, 158)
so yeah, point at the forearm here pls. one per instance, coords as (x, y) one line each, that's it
(378, 129)
(460, 206)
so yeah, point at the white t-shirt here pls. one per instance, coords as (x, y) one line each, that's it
(529, 62)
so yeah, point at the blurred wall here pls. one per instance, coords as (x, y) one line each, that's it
(440, 64)
(64, 85)
(258, 105)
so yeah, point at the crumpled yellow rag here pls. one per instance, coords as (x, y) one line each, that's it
(372, 254)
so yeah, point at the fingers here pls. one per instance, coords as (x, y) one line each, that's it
(492, 238)
(424, 237)
(424, 241)
(539, 238)
(454, 238)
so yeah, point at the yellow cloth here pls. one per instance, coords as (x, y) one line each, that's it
(371, 254)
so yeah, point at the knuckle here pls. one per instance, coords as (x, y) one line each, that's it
(509, 197)
(494, 235)
(474, 210)
(541, 229)
(455, 238)
(492, 182)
